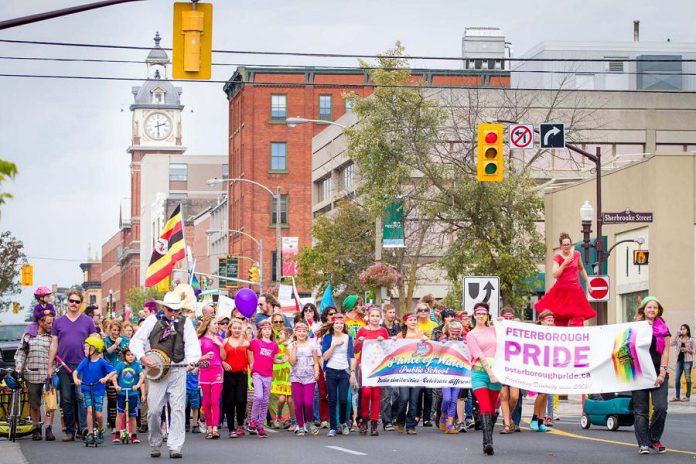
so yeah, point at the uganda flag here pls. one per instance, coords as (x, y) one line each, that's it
(168, 249)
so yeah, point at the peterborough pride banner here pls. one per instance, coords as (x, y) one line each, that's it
(574, 360)
(415, 363)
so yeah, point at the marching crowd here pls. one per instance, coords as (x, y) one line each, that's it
(228, 364)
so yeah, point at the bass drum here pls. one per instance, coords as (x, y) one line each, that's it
(162, 365)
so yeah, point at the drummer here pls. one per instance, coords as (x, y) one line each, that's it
(175, 335)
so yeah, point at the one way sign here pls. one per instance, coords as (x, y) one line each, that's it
(482, 288)
(552, 135)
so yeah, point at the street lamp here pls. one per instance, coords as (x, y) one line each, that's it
(276, 197)
(259, 244)
(292, 122)
(586, 214)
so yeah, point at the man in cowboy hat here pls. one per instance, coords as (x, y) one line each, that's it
(174, 334)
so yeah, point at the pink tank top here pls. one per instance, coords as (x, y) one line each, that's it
(212, 373)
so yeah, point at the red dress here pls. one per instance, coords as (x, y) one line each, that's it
(566, 298)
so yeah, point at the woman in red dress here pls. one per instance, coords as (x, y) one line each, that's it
(566, 299)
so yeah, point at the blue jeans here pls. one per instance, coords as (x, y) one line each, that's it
(549, 406)
(389, 404)
(71, 397)
(408, 403)
(683, 367)
(517, 412)
(337, 383)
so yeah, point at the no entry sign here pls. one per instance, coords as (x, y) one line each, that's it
(521, 136)
(600, 289)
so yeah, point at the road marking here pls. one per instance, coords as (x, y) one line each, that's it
(562, 433)
(346, 450)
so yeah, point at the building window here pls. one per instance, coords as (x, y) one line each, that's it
(283, 210)
(349, 105)
(279, 107)
(324, 192)
(279, 156)
(225, 171)
(274, 270)
(630, 303)
(93, 299)
(178, 172)
(325, 107)
(348, 172)
(158, 96)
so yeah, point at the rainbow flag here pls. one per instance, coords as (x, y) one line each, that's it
(625, 358)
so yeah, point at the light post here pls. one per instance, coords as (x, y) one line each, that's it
(292, 122)
(586, 213)
(277, 198)
(258, 242)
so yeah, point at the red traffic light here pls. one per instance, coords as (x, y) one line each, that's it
(491, 137)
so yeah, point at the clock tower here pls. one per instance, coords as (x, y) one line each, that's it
(156, 131)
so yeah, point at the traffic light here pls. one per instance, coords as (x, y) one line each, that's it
(192, 41)
(641, 257)
(253, 274)
(27, 275)
(489, 153)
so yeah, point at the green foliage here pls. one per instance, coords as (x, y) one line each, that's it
(136, 296)
(344, 246)
(12, 258)
(7, 170)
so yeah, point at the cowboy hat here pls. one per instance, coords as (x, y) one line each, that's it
(172, 300)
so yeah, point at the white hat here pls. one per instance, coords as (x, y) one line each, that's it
(172, 300)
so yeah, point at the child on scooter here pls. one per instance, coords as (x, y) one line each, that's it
(91, 375)
(128, 382)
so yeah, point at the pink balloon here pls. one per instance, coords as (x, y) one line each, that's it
(246, 302)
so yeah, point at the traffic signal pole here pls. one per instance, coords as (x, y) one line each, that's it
(58, 13)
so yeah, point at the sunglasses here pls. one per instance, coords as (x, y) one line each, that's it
(423, 310)
(278, 322)
(75, 301)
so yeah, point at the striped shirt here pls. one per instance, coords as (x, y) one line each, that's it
(37, 358)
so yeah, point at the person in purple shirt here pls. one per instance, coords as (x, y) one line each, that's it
(68, 337)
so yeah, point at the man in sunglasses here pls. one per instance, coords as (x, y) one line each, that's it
(68, 336)
(174, 334)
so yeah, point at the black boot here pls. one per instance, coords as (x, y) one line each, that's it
(374, 429)
(487, 427)
(37, 433)
(49, 434)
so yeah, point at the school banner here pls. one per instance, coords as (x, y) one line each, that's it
(574, 360)
(414, 363)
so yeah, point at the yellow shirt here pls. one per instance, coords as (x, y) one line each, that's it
(427, 327)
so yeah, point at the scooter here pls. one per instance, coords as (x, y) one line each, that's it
(95, 438)
(126, 437)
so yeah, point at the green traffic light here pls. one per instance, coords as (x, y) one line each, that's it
(491, 168)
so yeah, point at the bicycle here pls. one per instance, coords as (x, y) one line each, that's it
(13, 400)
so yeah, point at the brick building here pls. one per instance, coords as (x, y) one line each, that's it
(263, 148)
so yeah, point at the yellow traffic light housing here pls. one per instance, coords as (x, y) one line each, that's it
(192, 41)
(489, 159)
(641, 257)
(27, 275)
(253, 274)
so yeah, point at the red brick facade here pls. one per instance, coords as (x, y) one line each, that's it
(252, 130)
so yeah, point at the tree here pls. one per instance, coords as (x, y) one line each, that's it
(12, 258)
(7, 170)
(344, 245)
(136, 296)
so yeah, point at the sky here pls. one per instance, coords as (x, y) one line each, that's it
(69, 137)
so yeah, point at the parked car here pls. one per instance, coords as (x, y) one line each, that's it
(10, 340)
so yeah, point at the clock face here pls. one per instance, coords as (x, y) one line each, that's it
(158, 126)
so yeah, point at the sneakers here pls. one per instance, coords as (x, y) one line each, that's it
(374, 429)
(277, 424)
(659, 447)
(345, 429)
(117, 438)
(155, 452)
(37, 434)
(538, 426)
(195, 429)
(49, 434)
(252, 428)
(239, 432)
(175, 455)
(643, 449)
(427, 423)
(324, 425)
(411, 431)
(142, 428)
(90, 439)
(388, 428)
(362, 426)
(99, 439)
(332, 433)
(261, 432)
(313, 429)
(68, 438)
(300, 431)
(399, 428)
(135, 439)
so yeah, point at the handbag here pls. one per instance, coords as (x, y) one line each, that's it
(50, 399)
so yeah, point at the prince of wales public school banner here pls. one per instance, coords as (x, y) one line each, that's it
(415, 363)
(574, 360)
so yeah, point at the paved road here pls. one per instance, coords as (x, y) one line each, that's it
(567, 444)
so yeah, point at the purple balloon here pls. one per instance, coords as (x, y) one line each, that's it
(246, 301)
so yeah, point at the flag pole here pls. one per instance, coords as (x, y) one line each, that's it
(183, 234)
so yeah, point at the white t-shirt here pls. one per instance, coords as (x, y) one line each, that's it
(339, 356)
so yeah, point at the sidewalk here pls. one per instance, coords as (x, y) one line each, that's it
(572, 407)
(10, 453)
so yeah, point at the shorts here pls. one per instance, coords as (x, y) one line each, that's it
(35, 394)
(133, 404)
(98, 401)
(193, 399)
(480, 379)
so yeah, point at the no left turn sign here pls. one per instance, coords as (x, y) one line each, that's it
(521, 136)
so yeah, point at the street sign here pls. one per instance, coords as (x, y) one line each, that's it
(482, 288)
(600, 289)
(623, 217)
(552, 135)
(521, 136)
